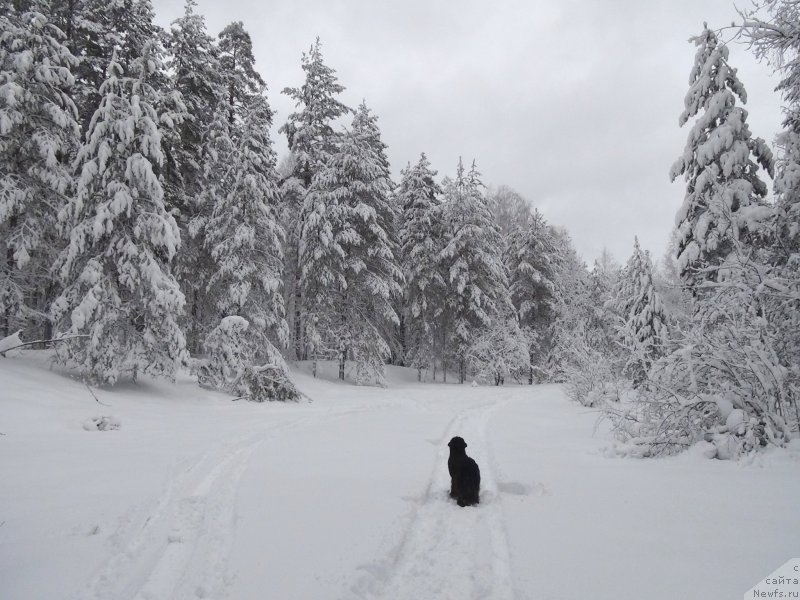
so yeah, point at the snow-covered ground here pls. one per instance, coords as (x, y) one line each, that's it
(195, 496)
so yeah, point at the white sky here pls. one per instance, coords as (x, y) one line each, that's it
(574, 103)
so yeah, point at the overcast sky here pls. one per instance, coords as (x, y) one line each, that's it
(572, 103)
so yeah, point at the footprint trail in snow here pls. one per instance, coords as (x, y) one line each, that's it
(447, 551)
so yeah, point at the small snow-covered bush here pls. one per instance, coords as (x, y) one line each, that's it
(232, 364)
(725, 385)
(229, 353)
(267, 383)
(9, 342)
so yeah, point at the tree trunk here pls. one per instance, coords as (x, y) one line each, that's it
(342, 359)
(298, 328)
(10, 267)
(444, 355)
(402, 333)
(193, 341)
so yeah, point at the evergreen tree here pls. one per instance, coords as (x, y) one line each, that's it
(241, 80)
(243, 236)
(118, 288)
(645, 328)
(197, 76)
(309, 132)
(95, 30)
(724, 198)
(605, 318)
(420, 243)
(350, 276)
(472, 260)
(530, 262)
(37, 128)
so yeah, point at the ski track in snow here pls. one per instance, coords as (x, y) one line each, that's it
(177, 547)
(184, 536)
(447, 551)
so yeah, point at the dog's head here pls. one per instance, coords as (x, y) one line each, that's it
(457, 443)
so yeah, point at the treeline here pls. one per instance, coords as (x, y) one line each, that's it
(143, 207)
(713, 357)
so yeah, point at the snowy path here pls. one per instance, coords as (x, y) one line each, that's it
(176, 553)
(447, 551)
(181, 549)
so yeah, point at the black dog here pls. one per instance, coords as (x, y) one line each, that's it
(465, 476)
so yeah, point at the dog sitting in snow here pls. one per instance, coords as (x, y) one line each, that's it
(465, 476)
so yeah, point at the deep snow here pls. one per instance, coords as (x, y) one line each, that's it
(195, 496)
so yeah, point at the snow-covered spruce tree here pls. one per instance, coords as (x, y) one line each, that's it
(95, 30)
(472, 261)
(241, 80)
(530, 261)
(244, 239)
(605, 316)
(196, 74)
(117, 286)
(309, 132)
(644, 330)
(37, 129)
(420, 244)
(350, 275)
(724, 199)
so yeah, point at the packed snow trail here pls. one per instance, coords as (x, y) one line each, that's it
(179, 550)
(447, 551)
(177, 547)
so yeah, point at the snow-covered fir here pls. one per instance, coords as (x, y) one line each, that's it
(724, 199)
(472, 264)
(350, 273)
(117, 287)
(37, 128)
(312, 139)
(421, 238)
